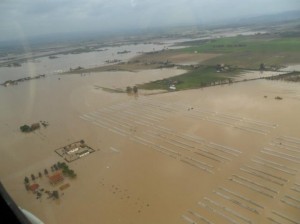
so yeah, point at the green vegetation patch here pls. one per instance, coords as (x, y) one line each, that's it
(246, 43)
(196, 78)
(249, 51)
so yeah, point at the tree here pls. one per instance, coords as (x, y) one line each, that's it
(135, 89)
(262, 67)
(25, 128)
(128, 89)
(27, 187)
(63, 165)
(26, 180)
(71, 173)
(55, 194)
(46, 172)
(32, 177)
(40, 174)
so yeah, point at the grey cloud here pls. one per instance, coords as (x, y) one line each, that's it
(53, 16)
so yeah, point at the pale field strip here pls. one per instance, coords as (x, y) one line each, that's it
(211, 151)
(111, 119)
(114, 130)
(145, 111)
(296, 188)
(172, 105)
(156, 147)
(114, 149)
(186, 158)
(222, 211)
(292, 198)
(202, 114)
(152, 107)
(198, 164)
(120, 119)
(281, 155)
(285, 146)
(140, 116)
(127, 115)
(124, 118)
(245, 124)
(254, 186)
(188, 219)
(259, 177)
(239, 200)
(109, 123)
(137, 108)
(200, 217)
(164, 138)
(264, 175)
(134, 108)
(228, 210)
(274, 165)
(158, 105)
(104, 125)
(154, 115)
(224, 149)
(153, 112)
(288, 143)
(188, 142)
(278, 217)
(132, 119)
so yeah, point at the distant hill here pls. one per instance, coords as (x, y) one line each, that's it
(272, 18)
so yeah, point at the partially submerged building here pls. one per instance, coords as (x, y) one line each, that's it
(56, 178)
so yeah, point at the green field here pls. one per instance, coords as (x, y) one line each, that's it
(249, 51)
(261, 43)
(240, 52)
(197, 78)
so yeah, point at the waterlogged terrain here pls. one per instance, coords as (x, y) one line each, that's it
(63, 62)
(222, 154)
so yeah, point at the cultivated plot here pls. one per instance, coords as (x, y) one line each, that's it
(249, 194)
(140, 121)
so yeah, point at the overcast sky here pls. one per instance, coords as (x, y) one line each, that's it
(35, 17)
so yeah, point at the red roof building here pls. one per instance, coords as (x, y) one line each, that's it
(56, 178)
(33, 187)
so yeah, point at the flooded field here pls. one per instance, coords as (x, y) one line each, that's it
(223, 154)
(62, 63)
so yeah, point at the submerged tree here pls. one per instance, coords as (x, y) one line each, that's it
(40, 174)
(135, 89)
(128, 89)
(32, 177)
(71, 174)
(25, 128)
(26, 180)
(46, 172)
(55, 194)
(55, 167)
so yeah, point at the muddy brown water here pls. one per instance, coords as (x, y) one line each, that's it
(214, 155)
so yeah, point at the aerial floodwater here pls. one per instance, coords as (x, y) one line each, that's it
(94, 140)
